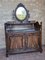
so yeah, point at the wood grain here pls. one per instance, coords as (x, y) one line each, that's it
(16, 42)
(33, 41)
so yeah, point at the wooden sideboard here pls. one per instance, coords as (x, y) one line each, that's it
(22, 38)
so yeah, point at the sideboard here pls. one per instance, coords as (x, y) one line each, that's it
(23, 37)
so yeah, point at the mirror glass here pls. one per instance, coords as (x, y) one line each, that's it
(21, 13)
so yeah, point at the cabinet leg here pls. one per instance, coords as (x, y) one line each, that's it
(41, 50)
(6, 53)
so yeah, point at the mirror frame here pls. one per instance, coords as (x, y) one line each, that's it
(21, 5)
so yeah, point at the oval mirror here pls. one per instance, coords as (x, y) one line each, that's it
(21, 12)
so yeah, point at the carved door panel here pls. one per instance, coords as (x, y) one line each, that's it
(16, 42)
(33, 40)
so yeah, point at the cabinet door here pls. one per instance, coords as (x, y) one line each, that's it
(16, 42)
(33, 40)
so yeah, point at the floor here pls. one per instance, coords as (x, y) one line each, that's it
(26, 56)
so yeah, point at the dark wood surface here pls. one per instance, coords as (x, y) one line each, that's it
(22, 41)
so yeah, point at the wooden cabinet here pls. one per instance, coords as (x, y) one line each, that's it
(22, 40)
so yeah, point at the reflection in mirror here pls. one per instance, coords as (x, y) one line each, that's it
(21, 13)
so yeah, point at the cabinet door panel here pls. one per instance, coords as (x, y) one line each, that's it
(16, 42)
(33, 40)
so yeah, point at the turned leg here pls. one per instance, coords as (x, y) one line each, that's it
(6, 53)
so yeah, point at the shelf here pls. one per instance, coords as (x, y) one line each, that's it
(22, 31)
